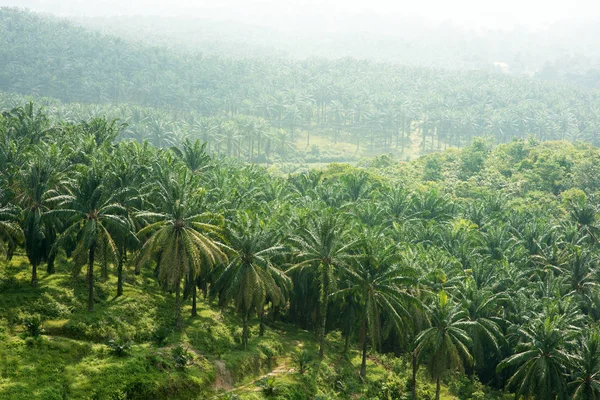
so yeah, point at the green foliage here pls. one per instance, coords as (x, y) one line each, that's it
(33, 326)
(302, 359)
(119, 347)
(483, 260)
(181, 357)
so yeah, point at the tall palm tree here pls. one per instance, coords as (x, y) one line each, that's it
(485, 319)
(92, 217)
(250, 279)
(379, 286)
(36, 187)
(321, 246)
(180, 238)
(445, 345)
(193, 155)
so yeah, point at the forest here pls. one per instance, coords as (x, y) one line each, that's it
(164, 94)
(178, 225)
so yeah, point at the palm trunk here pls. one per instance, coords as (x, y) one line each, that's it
(50, 264)
(120, 273)
(437, 388)
(363, 365)
(34, 279)
(415, 366)
(90, 279)
(347, 342)
(245, 331)
(178, 306)
(324, 297)
(261, 317)
(194, 310)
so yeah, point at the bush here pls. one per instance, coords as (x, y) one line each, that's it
(181, 357)
(33, 326)
(302, 360)
(119, 347)
(269, 387)
(467, 388)
(160, 335)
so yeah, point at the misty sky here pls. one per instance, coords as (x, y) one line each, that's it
(335, 15)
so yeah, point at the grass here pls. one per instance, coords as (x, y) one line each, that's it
(72, 359)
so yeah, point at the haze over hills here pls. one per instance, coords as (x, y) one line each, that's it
(369, 107)
(413, 42)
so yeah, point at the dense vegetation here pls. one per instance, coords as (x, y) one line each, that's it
(428, 262)
(163, 235)
(267, 104)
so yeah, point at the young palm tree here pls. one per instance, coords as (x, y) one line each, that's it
(445, 345)
(92, 217)
(180, 238)
(250, 278)
(321, 246)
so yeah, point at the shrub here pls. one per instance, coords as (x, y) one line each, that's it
(160, 335)
(181, 357)
(33, 326)
(302, 360)
(119, 347)
(269, 387)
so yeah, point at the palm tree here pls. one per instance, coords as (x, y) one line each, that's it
(250, 279)
(179, 238)
(585, 367)
(540, 360)
(446, 343)
(379, 286)
(193, 155)
(92, 217)
(321, 246)
(10, 231)
(36, 188)
(485, 318)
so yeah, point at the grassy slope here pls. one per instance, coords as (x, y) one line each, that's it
(72, 359)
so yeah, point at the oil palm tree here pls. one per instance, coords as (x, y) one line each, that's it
(182, 240)
(445, 345)
(36, 187)
(485, 320)
(585, 367)
(321, 246)
(250, 279)
(380, 286)
(540, 360)
(10, 231)
(93, 218)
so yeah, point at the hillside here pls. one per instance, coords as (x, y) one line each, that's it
(380, 108)
(215, 218)
(140, 272)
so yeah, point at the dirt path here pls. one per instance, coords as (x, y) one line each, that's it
(282, 368)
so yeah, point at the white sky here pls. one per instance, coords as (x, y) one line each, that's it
(332, 15)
